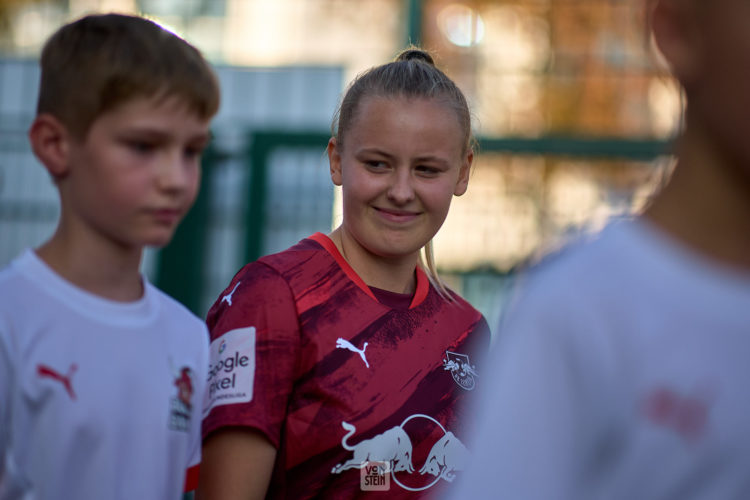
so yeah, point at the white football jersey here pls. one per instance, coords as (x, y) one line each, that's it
(98, 399)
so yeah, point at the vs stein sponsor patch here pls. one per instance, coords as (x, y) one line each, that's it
(231, 370)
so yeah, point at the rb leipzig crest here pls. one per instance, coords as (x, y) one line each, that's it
(463, 372)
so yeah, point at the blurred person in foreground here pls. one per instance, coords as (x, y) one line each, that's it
(101, 374)
(622, 368)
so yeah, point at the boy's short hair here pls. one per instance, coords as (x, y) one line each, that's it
(98, 62)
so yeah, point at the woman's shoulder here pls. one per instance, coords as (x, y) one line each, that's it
(271, 274)
(293, 256)
(454, 308)
(453, 299)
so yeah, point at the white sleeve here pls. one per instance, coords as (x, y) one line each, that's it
(194, 449)
(539, 413)
(6, 382)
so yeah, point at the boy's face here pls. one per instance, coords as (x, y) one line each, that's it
(136, 173)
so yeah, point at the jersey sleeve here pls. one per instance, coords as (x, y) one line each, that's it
(6, 379)
(483, 336)
(255, 340)
(538, 413)
(194, 447)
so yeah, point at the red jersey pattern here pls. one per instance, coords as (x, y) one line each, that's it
(341, 378)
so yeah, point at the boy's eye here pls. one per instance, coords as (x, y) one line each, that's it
(141, 146)
(193, 152)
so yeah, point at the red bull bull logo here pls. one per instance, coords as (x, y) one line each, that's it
(390, 456)
(446, 457)
(392, 446)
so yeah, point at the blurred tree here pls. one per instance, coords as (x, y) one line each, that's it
(9, 11)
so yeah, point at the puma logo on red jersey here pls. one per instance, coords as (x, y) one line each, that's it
(65, 380)
(345, 344)
(228, 297)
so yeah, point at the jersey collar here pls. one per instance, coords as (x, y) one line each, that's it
(423, 283)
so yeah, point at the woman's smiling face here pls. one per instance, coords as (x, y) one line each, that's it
(399, 166)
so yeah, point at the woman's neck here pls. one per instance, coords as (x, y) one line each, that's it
(391, 274)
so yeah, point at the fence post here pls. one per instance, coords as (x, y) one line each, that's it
(414, 22)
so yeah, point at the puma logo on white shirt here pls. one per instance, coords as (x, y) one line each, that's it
(228, 297)
(66, 380)
(345, 344)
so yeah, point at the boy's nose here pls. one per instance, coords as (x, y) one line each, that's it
(176, 173)
(401, 190)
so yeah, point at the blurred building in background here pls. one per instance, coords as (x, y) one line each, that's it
(573, 115)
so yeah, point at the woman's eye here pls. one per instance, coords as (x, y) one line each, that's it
(375, 164)
(427, 170)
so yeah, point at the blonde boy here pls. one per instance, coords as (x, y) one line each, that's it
(101, 374)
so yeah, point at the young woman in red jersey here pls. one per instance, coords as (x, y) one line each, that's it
(339, 366)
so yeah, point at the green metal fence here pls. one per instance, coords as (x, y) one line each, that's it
(182, 266)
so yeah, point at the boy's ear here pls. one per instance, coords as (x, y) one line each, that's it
(463, 174)
(676, 31)
(334, 161)
(50, 141)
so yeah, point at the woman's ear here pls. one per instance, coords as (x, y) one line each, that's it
(463, 175)
(334, 161)
(50, 142)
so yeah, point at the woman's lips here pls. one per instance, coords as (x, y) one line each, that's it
(399, 216)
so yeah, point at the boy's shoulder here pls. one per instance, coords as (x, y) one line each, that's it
(590, 249)
(18, 263)
(182, 328)
(587, 264)
(12, 307)
(17, 282)
(172, 307)
(29, 290)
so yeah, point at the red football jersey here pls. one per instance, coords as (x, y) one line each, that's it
(360, 390)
